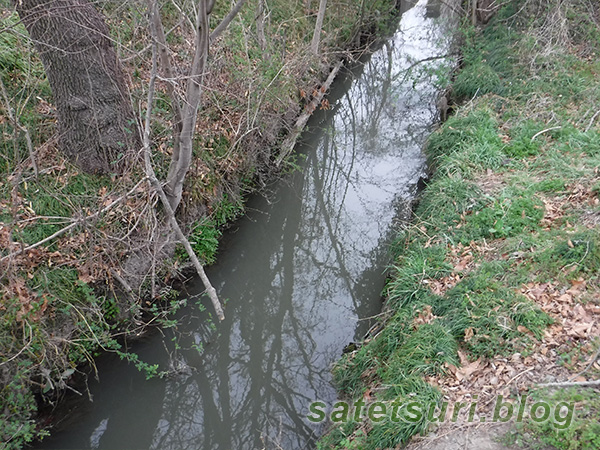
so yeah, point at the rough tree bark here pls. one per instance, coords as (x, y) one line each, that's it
(96, 125)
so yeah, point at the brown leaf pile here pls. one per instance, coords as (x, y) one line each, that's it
(574, 319)
(27, 301)
(576, 322)
(567, 345)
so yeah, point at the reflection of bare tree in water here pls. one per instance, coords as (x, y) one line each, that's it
(270, 360)
(246, 382)
(299, 277)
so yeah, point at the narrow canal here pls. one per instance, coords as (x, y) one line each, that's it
(302, 272)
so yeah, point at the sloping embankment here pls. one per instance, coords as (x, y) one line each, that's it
(67, 296)
(495, 288)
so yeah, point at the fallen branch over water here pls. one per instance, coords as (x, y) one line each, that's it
(288, 144)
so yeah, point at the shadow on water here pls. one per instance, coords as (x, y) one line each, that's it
(302, 271)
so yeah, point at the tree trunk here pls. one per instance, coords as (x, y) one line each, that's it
(314, 46)
(96, 125)
(180, 163)
(260, 25)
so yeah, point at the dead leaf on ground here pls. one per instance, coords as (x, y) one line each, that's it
(467, 368)
(425, 316)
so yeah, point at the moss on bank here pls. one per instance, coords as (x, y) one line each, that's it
(65, 301)
(494, 286)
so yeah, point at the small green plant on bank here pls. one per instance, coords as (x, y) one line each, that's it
(205, 235)
(514, 187)
(204, 240)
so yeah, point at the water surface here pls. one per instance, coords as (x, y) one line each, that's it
(302, 272)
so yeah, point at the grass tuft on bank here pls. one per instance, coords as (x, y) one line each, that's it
(495, 285)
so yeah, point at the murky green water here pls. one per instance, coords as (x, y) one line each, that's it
(302, 272)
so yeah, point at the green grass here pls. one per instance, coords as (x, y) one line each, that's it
(480, 79)
(460, 132)
(386, 434)
(482, 302)
(506, 216)
(57, 318)
(526, 123)
(578, 251)
(579, 432)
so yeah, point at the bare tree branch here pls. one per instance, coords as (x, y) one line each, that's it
(180, 163)
(593, 383)
(260, 25)
(167, 69)
(227, 20)
(151, 176)
(314, 45)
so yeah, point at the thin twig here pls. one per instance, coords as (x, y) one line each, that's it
(544, 131)
(592, 121)
(590, 364)
(18, 125)
(75, 223)
(519, 375)
(23, 349)
(593, 383)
